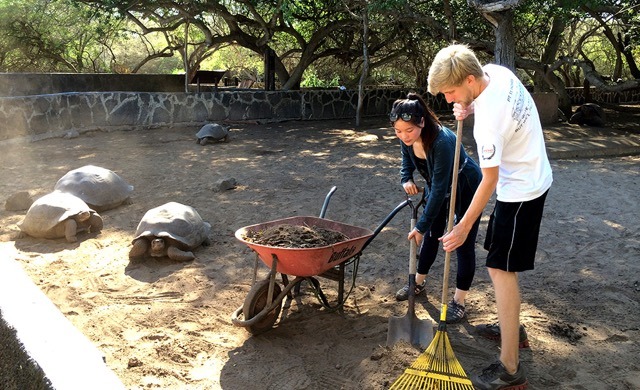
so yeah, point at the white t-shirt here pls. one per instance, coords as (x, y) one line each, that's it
(509, 135)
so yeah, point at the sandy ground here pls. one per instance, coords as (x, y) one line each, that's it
(167, 325)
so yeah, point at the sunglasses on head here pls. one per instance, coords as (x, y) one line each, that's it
(405, 116)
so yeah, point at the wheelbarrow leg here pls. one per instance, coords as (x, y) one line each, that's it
(296, 289)
(341, 286)
(255, 269)
(337, 275)
(285, 281)
(272, 278)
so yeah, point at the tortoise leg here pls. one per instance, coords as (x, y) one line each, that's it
(70, 228)
(179, 255)
(140, 247)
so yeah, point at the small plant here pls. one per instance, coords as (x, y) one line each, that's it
(312, 80)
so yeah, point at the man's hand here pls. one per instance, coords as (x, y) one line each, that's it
(461, 112)
(452, 240)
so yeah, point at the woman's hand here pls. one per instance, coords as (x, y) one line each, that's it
(410, 188)
(415, 235)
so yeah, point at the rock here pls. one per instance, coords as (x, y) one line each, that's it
(19, 201)
(71, 134)
(225, 184)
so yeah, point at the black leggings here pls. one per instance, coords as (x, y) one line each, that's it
(466, 253)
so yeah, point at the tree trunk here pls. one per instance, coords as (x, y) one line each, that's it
(554, 39)
(187, 76)
(500, 15)
(628, 55)
(586, 87)
(564, 101)
(451, 21)
(505, 52)
(269, 69)
(365, 64)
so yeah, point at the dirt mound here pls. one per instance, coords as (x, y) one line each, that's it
(290, 236)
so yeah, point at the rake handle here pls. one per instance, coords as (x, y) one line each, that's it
(452, 212)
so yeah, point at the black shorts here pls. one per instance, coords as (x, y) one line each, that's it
(512, 234)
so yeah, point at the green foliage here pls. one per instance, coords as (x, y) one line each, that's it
(311, 80)
(318, 42)
(55, 36)
(237, 61)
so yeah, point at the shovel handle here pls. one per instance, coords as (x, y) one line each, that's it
(413, 249)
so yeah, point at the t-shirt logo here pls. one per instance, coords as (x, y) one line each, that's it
(488, 151)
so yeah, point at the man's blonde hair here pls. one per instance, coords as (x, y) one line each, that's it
(451, 66)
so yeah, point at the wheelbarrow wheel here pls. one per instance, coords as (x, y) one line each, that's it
(256, 301)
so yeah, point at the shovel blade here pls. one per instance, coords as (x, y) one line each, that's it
(410, 329)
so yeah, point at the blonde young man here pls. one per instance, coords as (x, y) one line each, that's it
(514, 164)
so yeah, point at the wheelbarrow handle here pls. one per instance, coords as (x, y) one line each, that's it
(416, 206)
(323, 212)
(407, 202)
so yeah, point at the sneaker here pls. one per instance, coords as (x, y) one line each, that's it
(496, 377)
(455, 312)
(403, 293)
(492, 332)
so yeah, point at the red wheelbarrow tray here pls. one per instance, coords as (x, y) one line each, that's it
(307, 261)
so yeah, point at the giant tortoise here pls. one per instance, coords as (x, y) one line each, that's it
(589, 114)
(171, 230)
(212, 132)
(99, 187)
(59, 214)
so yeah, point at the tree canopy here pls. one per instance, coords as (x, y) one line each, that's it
(552, 44)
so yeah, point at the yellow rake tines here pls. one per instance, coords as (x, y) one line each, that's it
(436, 368)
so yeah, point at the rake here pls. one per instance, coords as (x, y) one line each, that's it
(437, 367)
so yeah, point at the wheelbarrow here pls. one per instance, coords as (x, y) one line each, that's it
(263, 304)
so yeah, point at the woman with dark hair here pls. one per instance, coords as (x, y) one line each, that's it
(429, 147)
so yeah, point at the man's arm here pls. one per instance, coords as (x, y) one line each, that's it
(458, 235)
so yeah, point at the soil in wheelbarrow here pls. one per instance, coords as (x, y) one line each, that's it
(296, 236)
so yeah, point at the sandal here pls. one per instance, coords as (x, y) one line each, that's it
(403, 293)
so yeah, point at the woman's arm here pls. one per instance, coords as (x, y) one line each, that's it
(442, 154)
(408, 167)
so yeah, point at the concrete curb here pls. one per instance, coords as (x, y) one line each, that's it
(594, 147)
(69, 360)
(594, 153)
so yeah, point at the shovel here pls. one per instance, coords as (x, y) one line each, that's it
(409, 327)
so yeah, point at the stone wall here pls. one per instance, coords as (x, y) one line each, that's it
(53, 115)
(38, 106)
(628, 96)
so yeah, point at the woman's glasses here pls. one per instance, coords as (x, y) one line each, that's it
(405, 116)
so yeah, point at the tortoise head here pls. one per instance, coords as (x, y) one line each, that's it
(82, 216)
(158, 247)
